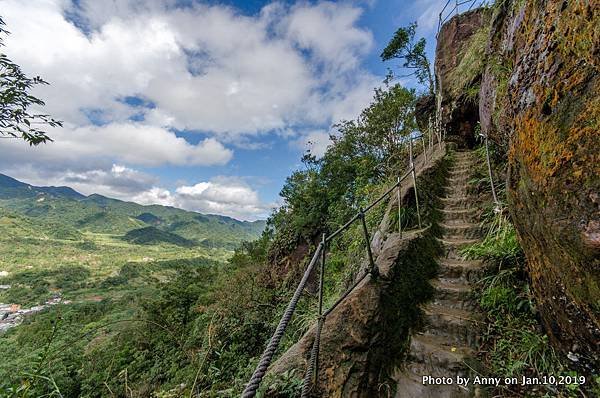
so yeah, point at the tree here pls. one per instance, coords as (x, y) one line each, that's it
(16, 120)
(403, 47)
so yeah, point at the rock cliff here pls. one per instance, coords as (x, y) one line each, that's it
(530, 69)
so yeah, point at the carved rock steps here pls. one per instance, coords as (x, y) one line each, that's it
(449, 336)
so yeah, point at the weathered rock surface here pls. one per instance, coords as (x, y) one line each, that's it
(544, 106)
(539, 100)
(457, 68)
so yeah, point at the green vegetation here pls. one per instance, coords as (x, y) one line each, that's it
(96, 214)
(402, 46)
(465, 77)
(153, 236)
(514, 342)
(16, 119)
(160, 306)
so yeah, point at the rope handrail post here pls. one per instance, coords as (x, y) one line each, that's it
(399, 208)
(414, 176)
(372, 268)
(267, 356)
(489, 167)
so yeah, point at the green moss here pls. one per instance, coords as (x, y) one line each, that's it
(471, 65)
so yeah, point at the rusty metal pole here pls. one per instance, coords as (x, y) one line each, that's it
(489, 166)
(399, 208)
(321, 320)
(414, 176)
(312, 371)
(372, 270)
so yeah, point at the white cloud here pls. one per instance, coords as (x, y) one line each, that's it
(222, 195)
(314, 141)
(204, 67)
(288, 70)
(229, 196)
(155, 196)
(127, 142)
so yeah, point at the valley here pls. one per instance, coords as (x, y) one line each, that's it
(58, 246)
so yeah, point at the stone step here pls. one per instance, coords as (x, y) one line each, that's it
(458, 326)
(453, 199)
(458, 180)
(465, 229)
(459, 243)
(454, 245)
(468, 215)
(467, 271)
(454, 293)
(436, 351)
(461, 171)
(463, 157)
(409, 383)
(457, 171)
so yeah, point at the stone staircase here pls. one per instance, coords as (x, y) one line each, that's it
(445, 347)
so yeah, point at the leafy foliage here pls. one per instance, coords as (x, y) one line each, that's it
(402, 46)
(182, 325)
(16, 120)
(515, 343)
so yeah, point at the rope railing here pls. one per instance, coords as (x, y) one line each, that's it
(320, 254)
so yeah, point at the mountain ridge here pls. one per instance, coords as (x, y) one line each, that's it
(101, 214)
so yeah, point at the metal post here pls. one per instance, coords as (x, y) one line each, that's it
(399, 208)
(487, 158)
(373, 270)
(414, 176)
(430, 133)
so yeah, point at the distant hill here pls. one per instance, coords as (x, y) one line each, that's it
(63, 206)
(154, 236)
(11, 188)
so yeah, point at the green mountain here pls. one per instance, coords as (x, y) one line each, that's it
(65, 207)
(155, 236)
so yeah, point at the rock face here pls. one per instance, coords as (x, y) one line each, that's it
(539, 100)
(458, 58)
(548, 114)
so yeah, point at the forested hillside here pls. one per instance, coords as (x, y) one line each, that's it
(99, 214)
(150, 312)
(483, 264)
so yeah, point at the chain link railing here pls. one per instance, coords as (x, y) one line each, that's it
(320, 255)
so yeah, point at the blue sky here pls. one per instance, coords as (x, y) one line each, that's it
(204, 105)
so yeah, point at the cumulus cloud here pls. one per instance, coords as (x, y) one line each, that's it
(228, 196)
(222, 195)
(126, 75)
(314, 141)
(126, 142)
(204, 67)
